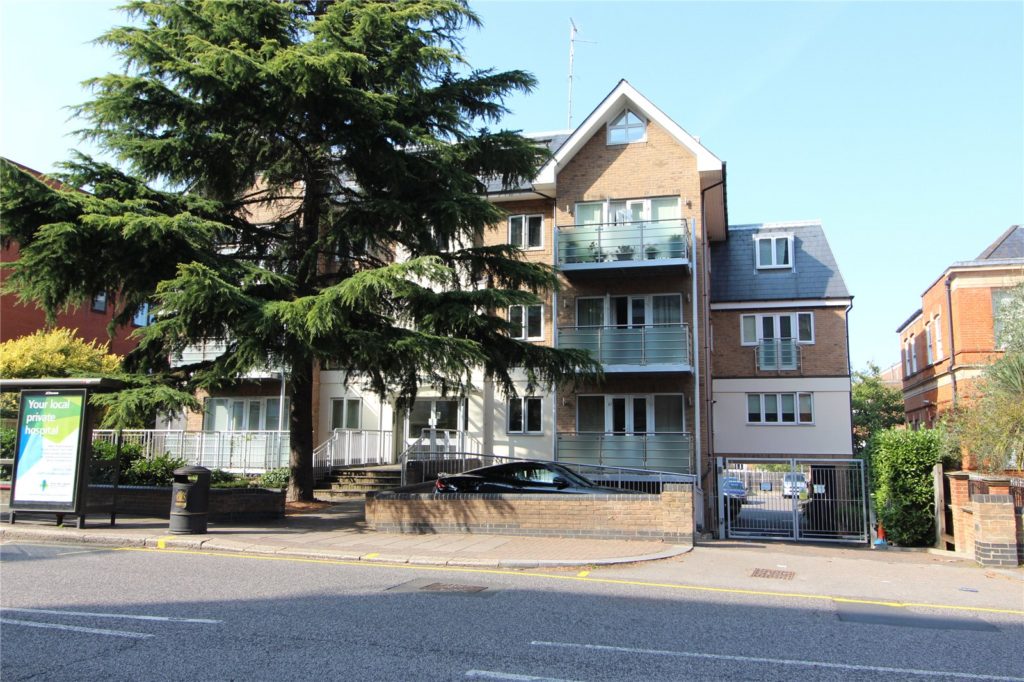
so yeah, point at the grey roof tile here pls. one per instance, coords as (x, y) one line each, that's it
(815, 274)
(1009, 245)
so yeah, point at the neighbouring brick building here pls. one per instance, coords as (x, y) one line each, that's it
(91, 318)
(946, 344)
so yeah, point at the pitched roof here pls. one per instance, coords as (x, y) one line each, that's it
(814, 275)
(552, 141)
(1010, 244)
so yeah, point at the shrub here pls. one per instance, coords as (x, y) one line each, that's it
(275, 478)
(158, 471)
(7, 445)
(225, 479)
(901, 465)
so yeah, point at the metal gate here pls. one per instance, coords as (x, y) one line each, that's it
(821, 500)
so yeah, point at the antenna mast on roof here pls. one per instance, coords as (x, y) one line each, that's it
(572, 53)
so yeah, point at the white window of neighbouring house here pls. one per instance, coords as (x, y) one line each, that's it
(937, 327)
(773, 252)
(796, 326)
(626, 312)
(99, 303)
(524, 415)
(913, 354)
(346, 413)
(142, 317)
(906, 358)
(526, 231)
(780, 408)
(928, 343)
(590, 312)
(626, 128)
(627, 211)
(527, 322)
(438, 413)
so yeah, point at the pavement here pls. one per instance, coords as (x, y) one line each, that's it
(892, 577)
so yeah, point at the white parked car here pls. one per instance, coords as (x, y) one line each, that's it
(793, 484)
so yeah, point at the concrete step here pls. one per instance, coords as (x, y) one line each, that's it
(358, 487)
(336, 495)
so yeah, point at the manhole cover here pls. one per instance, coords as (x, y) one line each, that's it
(450, 587)
(772, 573)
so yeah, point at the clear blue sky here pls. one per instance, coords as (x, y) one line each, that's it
(899, 125)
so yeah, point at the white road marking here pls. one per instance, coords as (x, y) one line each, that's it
(489, 675)
(780, 661)
(163, 619)
(73, 628)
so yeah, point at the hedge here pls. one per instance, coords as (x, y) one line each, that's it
(903, 490)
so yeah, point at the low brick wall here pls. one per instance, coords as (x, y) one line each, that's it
(667, 517)
(997, 531)
(226, 504)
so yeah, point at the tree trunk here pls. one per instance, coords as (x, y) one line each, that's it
(300, 424)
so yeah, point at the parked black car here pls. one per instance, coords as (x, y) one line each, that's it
(514, 478)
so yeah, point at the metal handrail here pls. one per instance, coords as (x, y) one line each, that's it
(778, 354)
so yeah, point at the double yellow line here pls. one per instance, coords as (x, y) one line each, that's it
(582, 576)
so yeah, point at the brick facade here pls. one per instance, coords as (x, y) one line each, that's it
(667, 517)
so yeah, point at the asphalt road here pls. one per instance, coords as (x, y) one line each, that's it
(77, 613)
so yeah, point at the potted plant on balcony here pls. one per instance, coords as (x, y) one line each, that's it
(676, 247)
(596, 253)
(651, 251)
(624, 252)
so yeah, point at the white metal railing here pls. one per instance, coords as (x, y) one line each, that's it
(656, 344)
(424, 465)
(246, 452)
(778, 354)
(348, 447)
(671, 452)
(641, 240)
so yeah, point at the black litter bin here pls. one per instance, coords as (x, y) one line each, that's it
(190, 500)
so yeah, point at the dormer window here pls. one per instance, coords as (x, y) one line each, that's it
(774, 252)
(628, 127)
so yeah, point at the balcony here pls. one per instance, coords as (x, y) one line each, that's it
(651, 348)
(779, 355)
(656, 451)
(650, 245)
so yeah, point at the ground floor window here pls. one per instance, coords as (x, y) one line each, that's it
(244, 414)
(438, 413)
(346, 413)
(780, 408)
(630, 414)
(524, 415)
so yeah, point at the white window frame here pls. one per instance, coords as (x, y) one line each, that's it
(937, 324)
(345, 412)
(913, 355)
(524, 426)
(246, 406)
(615, 125)
(608, 216)
(524, 242)
(928, 344)
(142, 318)
(524, 334)
(759, 327)
(99, 303)
(650, 412)
(774, 239)
(778, 421)
(906, 357)
(648, 305)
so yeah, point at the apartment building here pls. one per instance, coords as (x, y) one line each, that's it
(631, 211)
(946, 344)
(780, 358)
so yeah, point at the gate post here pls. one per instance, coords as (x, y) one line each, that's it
(720, 503)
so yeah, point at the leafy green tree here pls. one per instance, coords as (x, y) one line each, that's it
(991, 426)
(1011, 321)
(274, 156)
(876, 407)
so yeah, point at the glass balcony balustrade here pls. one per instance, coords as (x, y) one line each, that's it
(671, 452)
(658, 345)
(623, 244)
(778, 354)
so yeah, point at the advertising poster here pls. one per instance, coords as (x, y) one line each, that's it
(49, 441)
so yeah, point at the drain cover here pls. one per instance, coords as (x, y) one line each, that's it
(772, 573)
(444, 588)
(449, 587)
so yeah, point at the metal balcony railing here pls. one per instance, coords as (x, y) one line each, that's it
(671, 452)
(657, 344)
(778, 354)
(580, 246)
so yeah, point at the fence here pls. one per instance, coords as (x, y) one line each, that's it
(348, 448)
(244, 452)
